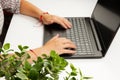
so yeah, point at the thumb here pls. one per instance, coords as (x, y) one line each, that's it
(56, 36)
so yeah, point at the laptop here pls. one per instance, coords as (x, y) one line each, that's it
(92, 35)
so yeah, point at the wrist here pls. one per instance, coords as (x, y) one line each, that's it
(37, 53)
(33, 56)
(41, 16)
(33, 52)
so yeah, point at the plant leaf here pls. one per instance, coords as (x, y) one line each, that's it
(73, 78)
(18, 54)
(20, 47)
(34, 74)
(22, 76)
(6, 46)
(73, 73)
(87, 77)
(27, 65)
(1, 50)
(80, 72)
(72, 67)
(25, 47)
(38, 66)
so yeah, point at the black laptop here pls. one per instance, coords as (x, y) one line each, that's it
(92, 36)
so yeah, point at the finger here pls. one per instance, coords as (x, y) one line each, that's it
(70, 46)
(67, 41)
(67, 51)
(62, 24)
(64, 40)
(67, 23)
(59, 21)
(55, 37)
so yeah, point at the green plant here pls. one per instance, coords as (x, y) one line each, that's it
(17, 67)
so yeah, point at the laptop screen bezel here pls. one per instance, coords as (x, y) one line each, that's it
(100, 27)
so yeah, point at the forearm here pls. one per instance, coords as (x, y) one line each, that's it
(33, 54)
(29, 9)
(38, 52)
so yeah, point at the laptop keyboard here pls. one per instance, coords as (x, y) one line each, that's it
(80, 36)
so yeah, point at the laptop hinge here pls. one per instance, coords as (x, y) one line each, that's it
(96, 36)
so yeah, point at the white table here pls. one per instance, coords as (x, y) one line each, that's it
(28, 31)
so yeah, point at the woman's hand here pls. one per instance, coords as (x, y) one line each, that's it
(49, 19)
(59, 44)
(29, 9)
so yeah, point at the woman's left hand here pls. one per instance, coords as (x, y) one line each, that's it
(50, 19)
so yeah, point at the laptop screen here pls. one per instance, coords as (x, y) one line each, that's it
(107, 21)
